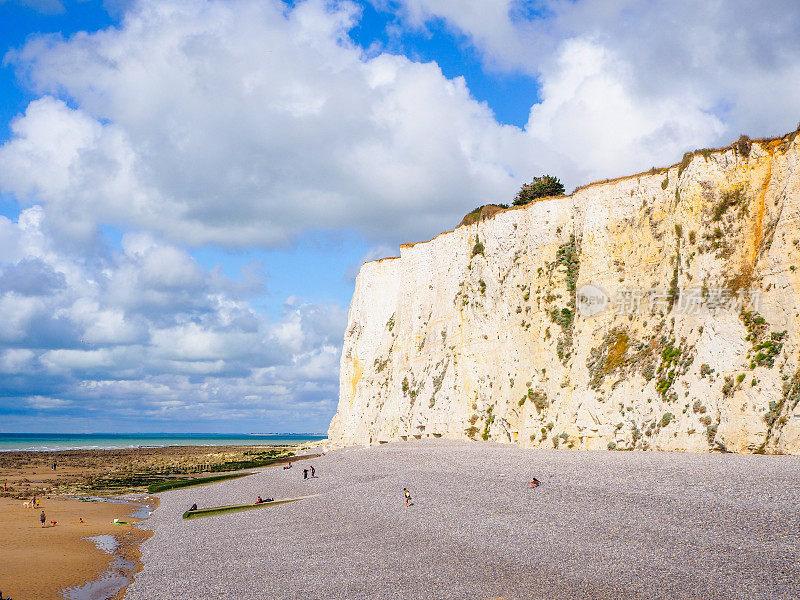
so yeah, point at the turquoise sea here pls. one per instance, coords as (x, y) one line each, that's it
(69, 441)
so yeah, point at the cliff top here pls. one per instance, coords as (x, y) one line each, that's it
(741, 146)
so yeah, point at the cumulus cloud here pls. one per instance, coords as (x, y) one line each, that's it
(714, 69)
(16, 361)
(595, 126)
(245, 123)
(147, 332)
(31, 278)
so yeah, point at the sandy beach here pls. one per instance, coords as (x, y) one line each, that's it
(602, 525)
(38, 562)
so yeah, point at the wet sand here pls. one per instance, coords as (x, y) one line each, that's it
(38, 562)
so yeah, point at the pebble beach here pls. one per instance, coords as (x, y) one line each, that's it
(601, 525)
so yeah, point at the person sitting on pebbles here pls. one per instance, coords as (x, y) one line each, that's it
(535, 483)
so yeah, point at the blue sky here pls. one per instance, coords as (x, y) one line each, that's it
(187, 189)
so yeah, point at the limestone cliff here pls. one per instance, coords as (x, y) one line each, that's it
(656, 311)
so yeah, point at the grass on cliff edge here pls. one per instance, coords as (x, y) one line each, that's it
(233, 508)
(173, 484)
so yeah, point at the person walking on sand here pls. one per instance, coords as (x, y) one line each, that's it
(312, 470)
(305, 473)
(407, 494)
(42, 518)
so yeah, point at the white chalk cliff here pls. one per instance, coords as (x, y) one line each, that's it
(487, 332)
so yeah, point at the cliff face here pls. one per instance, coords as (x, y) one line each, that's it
(501, 329)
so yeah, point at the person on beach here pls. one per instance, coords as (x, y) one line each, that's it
(259, 501)
(312, 470)
(42, 518)
(407, 494)
(193, 507)
(535, 483)
(305, 473)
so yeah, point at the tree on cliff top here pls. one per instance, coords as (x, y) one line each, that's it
(540, 187)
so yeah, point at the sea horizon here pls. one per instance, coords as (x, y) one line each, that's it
(51, 442)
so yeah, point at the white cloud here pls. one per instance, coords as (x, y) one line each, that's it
(18, 312)
(107, 326)
(245, 123)
(94, 348)
(595, 125)
(16, 361)
(61, 361)
(627, 85)
(47, 403)
(9, 241)
(490, 25)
